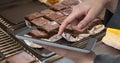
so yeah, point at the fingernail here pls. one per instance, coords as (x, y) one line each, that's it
(59, 34)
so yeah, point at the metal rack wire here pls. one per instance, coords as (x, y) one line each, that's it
(9, 46)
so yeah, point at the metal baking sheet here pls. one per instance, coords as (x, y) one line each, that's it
(86, 49)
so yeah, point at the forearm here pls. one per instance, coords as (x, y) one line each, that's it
(108, 4)
(111, 5)
(104, 2)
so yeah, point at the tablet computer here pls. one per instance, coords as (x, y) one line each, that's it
(84, 46)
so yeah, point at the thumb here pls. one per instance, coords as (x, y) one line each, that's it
(92, 14)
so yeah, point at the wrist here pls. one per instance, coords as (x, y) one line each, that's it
(105, 1)
(111, 5)
(98, 2)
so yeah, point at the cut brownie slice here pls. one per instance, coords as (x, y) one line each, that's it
(51, 26)
(60, 20)
(51, 15)
(38, 34)
(33, 16)
(47, 12)
(54, 16)
(45, 24)
(67, 11)
(70, 2)
(58, 7)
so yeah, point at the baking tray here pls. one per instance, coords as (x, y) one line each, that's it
(89, 44)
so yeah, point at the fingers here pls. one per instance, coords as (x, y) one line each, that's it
(90, 14)
(68, 20)
(83, 25)
(65, 23)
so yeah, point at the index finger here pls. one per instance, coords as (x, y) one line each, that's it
(68, 20)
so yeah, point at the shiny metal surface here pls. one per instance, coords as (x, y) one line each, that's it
(9, 46)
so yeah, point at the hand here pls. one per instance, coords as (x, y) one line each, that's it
(87, 10)
(78, 57)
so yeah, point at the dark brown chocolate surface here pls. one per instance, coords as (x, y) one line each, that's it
(67, 11)
(51, 26)
(54, 16)
(60, 20)
(47, 12)
(58, 7)
(70, 2)
(45, 24)
(33, 16)
(38, 34)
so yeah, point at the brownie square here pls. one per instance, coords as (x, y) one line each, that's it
(54, 16)
(51, 26)
(67, 11)
(38, 34)
(60, 20)
(70, 2)
(58, 7)
(51, 15)
(45, 24)
(33, 16)
(47, 12)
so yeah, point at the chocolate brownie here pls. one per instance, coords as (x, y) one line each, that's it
(70, 2)
(33, 16)
(54, 16)
(38, 34)
(60, 20)
(47, 12)
(51, 26)
(45, 24)
(51, 15)
(67, 11)
(58, 7)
